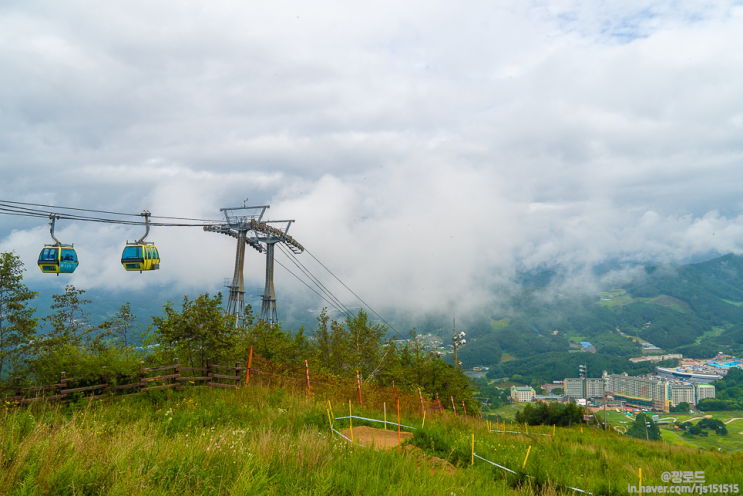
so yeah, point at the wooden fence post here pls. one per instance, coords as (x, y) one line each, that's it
(307, 373)
(441, 408)
(237, 373)
(63, 382)
(209, 371)
(176, 370)
(141, 375)
(104, 380)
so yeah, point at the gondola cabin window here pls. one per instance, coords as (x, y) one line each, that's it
(132, 253)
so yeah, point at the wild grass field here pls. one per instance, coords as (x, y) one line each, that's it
(262, 441)
(731, 442)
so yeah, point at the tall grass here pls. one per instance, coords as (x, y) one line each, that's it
(268, 441)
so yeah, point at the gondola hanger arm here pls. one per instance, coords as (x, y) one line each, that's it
(54, 218)
(146, 214)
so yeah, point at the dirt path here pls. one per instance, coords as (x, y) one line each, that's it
(698, 418)
(732, 420)
(376, 438)
(387, 439)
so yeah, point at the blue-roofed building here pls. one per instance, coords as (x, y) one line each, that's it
(588, 347)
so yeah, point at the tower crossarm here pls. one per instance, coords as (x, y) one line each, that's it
(266, 229)
(228, 231)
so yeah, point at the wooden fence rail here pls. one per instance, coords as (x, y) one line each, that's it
(65, 390)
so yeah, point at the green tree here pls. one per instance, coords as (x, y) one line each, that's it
(682, 407)
(122, 326)
(551, 414)
(273, 343)
(199, 331)
(364, 342)
(74, 346)
(644, 428)
(322, 345)
(17, 324)
(70, 322)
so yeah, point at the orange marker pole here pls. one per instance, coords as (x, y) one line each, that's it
(358, 386)
(465, 410)
(250, 363)
(399, 438)
(307, 371)
(441, 408)
(423, 408)
(452, 405)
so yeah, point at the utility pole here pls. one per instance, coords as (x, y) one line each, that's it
(605, 376)
(583, 372)
(459, 341)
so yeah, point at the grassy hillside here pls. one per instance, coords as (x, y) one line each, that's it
(263, 441)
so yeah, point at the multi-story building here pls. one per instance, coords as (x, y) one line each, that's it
(640, 391)
(522, 394)
(574, 388)
(681, 393)
(704, 391)
(655, 358)
(687, 374)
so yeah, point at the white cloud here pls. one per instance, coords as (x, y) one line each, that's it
(426, 150)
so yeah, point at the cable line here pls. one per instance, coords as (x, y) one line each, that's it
(312, 278)
(335, 301)
(357, 296)
(300, 280)
(77, 217)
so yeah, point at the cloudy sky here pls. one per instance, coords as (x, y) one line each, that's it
(425, 149)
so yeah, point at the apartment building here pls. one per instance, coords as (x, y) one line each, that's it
(522, 394)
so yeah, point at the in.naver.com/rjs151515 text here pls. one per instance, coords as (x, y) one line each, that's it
(685, 482)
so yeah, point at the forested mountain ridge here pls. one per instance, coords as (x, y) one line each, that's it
(691, 309)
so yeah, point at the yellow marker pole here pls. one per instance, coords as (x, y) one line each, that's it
(581, 429)
(553, 430)
(639, 473)
(473, 448)
(329, 419)
(385, 416)
(424, 419)
(526, 458)
(350, 419)
(331, 409)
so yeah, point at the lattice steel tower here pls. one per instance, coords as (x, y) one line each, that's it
(246, 224)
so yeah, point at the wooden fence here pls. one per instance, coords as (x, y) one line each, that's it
(313, 383)
(148, 379)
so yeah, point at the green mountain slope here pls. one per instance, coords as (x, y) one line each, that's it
(693, 309)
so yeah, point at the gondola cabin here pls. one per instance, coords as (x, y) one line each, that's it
(58, 259)
(140, 257)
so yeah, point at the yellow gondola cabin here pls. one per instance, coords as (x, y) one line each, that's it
(141, 255)
(57, 258)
